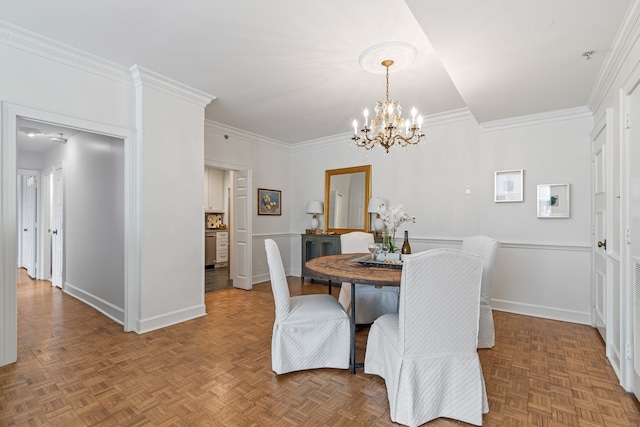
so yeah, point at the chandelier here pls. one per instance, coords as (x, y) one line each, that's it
(388, 128)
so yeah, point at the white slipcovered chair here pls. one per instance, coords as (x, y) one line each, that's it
(310, 331)
(487, 248)
(427, 353)
(371, 302)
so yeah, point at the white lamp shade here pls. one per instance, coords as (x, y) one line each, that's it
(315, 207)
(374, 202)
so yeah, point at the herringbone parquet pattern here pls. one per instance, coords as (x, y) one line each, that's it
(77, 368)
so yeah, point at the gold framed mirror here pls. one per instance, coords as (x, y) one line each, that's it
(346, 194)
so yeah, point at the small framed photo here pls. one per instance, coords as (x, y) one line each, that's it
(508, 186)
(554, 201)
(269, 202)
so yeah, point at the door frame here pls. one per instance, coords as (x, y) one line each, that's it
(37, 219)
(8, 218)
(605, 125)
(229, 167)
(630, 380)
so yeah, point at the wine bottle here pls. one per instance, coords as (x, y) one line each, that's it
(406, 247)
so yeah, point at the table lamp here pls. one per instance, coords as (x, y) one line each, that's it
(315, 207)
(374, 202)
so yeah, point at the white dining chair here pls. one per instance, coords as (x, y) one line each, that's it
(487, 248)
(371, 302)
(310, 331)
(426, 353)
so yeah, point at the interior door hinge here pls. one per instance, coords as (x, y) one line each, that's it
(628, 351)
(627, 121)
(628, 236)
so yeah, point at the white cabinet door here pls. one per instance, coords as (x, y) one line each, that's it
(222, 246)
(213, 185)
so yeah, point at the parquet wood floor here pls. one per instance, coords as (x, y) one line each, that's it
(77, 368)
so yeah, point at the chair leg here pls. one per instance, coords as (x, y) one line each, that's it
(329, 287)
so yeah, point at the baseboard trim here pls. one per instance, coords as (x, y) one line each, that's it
(261, 278)
(542, 311)
(111, 311)
(169, 319)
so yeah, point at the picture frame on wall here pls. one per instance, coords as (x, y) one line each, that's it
(554, 201)
(269, 202)
(508, 186)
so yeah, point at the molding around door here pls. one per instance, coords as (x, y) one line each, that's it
(8, 219)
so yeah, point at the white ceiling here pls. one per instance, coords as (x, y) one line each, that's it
(40, 143)
(288, 69)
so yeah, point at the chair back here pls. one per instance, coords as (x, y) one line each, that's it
(279, 284)
(487, 248)
(355, 242)
(439, 302)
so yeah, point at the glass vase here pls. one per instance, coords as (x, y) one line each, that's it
(388, 238)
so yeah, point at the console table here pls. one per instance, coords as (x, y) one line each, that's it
(317, 245)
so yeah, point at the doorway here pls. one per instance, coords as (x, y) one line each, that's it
(11, 115)
(218, 220)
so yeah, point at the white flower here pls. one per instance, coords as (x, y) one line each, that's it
(394, 217)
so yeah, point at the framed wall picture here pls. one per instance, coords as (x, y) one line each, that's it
(508, 186)
(269, 202)
(554, 200)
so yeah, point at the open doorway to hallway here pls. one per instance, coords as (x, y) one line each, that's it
(79, 207)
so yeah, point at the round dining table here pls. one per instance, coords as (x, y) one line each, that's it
(346, 268)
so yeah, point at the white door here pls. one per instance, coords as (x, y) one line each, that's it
(633, 232)
(241, 259)
(29, 226)
(57, 229)
(599, 229)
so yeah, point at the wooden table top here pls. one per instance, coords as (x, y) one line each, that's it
(343, 268)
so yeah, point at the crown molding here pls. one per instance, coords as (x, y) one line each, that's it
(536, 119)
(446, 117)
(235, 133)
(144, 77)
(324, 142)
(53, 50)
(623, 42)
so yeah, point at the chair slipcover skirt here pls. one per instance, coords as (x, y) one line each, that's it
(456, 391)
(427, 352)
(310, 331)
(314, 335)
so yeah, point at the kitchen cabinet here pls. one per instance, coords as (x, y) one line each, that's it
(213, 190)
(317, 245)
(222, 247)
(216, 248)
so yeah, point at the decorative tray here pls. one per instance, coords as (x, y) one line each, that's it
(389, 263)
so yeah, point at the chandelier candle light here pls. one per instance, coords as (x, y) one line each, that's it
(388, 128)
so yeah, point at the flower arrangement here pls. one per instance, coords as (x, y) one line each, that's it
(393, 218)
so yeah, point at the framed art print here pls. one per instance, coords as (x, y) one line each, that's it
(269, 202)
(554, 201)
(508, 186)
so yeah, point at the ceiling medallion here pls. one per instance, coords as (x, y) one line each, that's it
(388, 127)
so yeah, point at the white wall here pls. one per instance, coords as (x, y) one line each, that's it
(553, 275)
(170, 123)
(543, 267)
(94, 219)
(30, 160)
